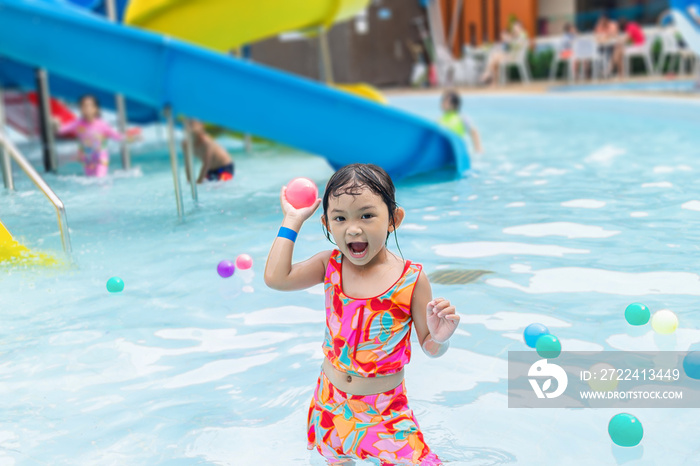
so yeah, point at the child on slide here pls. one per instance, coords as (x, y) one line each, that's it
(92, 133)
(359, 408)
(451, 119)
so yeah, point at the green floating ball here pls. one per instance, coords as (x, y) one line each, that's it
(115, 285)
(548, 346)
(625, 430)
(637, 314)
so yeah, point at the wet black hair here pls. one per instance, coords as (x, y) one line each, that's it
(352, 179)
(85, 97)
(453, 98)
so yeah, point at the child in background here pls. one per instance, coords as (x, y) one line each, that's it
(567, 42)
(359, 407)
(217, 164)
(92, 133)
(451, 119)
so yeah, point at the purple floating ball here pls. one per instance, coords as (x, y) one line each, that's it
(225, 269)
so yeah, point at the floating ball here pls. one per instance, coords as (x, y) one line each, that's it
(691, 365)
(301, 192)
(225, 269)
(244, 262)
(637, 314)
(664, 322)
(533, 332)
(603, 377)
(115, 285)
(625, 430)
(548, 346)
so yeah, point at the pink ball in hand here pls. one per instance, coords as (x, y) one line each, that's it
(244, 262)
(301, 192)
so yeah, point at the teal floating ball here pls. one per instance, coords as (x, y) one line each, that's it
(691, 365)
(533, 332)
(115, 285)
(637, 314)
(625, 430)
(548, 346)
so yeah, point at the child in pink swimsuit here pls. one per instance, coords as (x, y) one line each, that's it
(359, 408)
(92, 134)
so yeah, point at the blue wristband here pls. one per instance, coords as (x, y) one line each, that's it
(287, 233)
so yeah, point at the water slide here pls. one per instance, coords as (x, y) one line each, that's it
(688, 24)
(160, 72)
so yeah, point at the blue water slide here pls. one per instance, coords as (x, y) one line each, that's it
(100, 6)
(686, 24)
(16, 75)
(19, 76)
(160, 71)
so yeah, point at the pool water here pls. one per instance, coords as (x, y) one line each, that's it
(579, 206)
(688, 86)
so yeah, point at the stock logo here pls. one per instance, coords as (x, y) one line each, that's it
(541, 369)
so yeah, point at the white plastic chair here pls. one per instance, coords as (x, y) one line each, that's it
(449, 70)
(670, 49)
(643, 50)
(517, 58)
(558, 60)
(585, 50)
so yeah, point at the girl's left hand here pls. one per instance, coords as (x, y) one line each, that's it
(442, 319)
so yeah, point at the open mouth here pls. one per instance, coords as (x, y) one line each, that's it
(357, 250)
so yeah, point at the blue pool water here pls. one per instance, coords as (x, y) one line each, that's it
(579, 206)
(669, 85)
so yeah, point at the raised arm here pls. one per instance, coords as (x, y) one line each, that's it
(68, 128)
(280, 273)
(435, 320)
(110, 132)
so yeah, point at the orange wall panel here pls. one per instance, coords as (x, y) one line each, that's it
(525, 10)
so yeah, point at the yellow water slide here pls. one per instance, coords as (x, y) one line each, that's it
(12, 252)
(226, 24)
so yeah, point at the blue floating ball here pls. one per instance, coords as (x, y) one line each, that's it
(691, 365)
(625, 430)
(115, 285)
(533, 332)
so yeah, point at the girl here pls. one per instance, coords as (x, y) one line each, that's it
(359, 407)
(92, 134)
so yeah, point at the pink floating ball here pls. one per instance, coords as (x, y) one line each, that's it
(225, 269)
(301, 192)
(244, 262)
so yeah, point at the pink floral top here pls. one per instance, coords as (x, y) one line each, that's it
(92, 135)
(370, 336)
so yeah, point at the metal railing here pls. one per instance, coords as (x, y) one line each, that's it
(27, 168)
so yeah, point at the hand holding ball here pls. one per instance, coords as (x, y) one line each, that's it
(301, 192)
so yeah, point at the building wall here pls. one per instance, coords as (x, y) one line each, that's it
(477, 27)
(372, 48)
(553, 14)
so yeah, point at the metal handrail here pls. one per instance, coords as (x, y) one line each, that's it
(43, 187)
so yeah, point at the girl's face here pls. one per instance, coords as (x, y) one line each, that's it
(359, 225)
(89, 109)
